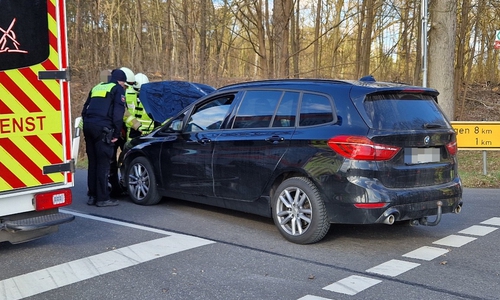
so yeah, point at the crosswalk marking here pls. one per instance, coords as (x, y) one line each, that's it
(393, 267)
(312, 297)
(426, 253)
(493, 221)
(352, 285)
(478, 230)
(454, 240)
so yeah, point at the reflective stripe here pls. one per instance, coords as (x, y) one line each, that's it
(129, 120)
(101, 90)
(35, 114)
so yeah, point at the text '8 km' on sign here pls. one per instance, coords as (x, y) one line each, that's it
(477, 135)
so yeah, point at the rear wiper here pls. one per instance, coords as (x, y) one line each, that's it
(431, 125)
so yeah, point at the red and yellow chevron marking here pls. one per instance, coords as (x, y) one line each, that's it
(33, 114)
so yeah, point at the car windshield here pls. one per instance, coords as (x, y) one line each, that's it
(404, 111)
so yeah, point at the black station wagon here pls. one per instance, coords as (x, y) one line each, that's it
(307, 153)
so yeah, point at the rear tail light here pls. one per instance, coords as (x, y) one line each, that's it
(361, 148)
(452, 147)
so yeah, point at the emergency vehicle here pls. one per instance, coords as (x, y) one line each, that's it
(37, 146)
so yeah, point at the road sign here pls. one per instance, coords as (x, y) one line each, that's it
(497, 36)
(477, 135)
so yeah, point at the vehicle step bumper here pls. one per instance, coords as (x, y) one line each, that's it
(36, 223)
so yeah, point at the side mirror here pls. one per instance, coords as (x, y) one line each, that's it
(176, 125)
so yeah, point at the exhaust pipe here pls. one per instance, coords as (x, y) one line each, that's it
(390, 219)
(458, 209)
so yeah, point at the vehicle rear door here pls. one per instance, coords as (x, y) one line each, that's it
(413, 121)
(246, 154)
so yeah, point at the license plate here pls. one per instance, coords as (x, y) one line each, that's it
(422, 155)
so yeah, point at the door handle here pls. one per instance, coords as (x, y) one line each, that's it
(204, 141)
(275, 139)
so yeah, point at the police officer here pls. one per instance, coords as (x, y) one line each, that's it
(114, 179)
(102, 123)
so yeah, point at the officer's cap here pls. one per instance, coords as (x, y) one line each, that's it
(118, 75)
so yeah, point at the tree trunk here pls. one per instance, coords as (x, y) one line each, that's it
(281, 21)
(442, 52)
(317, 29)
(203, 40)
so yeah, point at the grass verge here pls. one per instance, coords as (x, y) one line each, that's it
(471, 168)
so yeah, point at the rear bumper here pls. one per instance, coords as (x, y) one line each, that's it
(403, 204)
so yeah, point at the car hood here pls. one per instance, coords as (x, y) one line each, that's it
(164, 99)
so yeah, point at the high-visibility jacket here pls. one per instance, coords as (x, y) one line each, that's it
(105, 107)
(137, 110)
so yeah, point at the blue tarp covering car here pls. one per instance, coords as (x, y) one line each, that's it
(163, 99)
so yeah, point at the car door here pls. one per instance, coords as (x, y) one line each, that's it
(247, 153)
(186, 161)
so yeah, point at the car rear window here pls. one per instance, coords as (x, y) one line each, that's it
(315, 110)
(403, 111)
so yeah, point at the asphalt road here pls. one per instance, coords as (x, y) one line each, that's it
(181, 250)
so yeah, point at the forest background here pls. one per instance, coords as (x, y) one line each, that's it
(218, 42)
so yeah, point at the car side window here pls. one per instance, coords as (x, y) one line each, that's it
(287, 110)
(257, 109)
(315, 109)
(210, 115)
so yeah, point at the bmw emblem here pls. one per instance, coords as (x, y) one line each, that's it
(427, 139)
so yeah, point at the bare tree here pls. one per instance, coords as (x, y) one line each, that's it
(442, 52)
(317, 30)
(282, 12)
(230, 40)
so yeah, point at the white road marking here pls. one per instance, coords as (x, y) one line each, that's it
(454, 240)
(493, 221)
(478, 230)
(352, 285)
(426, 253)
(135, 226)
(393, 268)
(44, 280)
(312, 297)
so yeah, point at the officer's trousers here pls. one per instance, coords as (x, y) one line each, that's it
(99, 154)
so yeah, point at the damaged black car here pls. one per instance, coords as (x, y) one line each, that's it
(306, 152)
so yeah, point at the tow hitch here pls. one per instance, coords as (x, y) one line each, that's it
(423, 221)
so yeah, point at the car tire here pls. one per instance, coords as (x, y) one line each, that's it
(299, 211)
(141, 182)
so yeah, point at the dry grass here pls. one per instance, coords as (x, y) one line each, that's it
(471, 169)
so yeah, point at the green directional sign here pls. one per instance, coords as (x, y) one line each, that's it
(497, 36)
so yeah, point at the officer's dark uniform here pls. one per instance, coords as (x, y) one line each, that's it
(102, 121)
